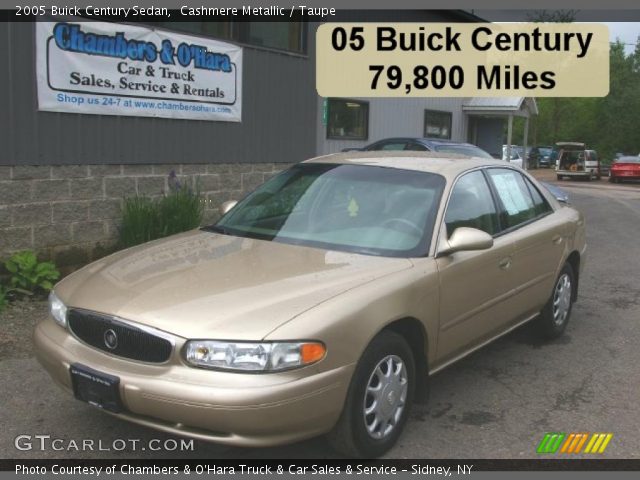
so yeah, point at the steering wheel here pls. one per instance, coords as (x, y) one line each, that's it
(405, 222)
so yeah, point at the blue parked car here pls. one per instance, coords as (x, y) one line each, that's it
(424, 145)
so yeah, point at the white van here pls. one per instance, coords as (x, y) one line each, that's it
(574, 160)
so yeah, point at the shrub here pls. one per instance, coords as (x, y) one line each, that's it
(180, 211)
(145, 219)
(140, 221)
(28, 275)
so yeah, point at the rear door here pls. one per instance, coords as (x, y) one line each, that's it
(474, 285)
(539, 239)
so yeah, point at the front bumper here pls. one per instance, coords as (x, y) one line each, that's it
(231, 408)
(629, 175)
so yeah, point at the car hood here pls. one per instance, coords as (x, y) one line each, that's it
(205, 285)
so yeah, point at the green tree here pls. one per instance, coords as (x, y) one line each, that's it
(609, 124)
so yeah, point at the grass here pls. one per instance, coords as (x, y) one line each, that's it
(145, 219)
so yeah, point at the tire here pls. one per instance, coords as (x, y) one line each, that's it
(559, 177)
(351, 436)
(555, 315)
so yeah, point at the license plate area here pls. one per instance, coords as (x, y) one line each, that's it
(96, 388)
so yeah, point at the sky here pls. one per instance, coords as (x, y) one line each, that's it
(627, 31)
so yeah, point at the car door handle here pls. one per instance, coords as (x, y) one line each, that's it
(505, 263)
(556, 239)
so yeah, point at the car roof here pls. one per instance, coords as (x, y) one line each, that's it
(446, 164)
(570, 144)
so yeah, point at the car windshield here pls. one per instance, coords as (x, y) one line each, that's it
(355, 208)
(627, 160)
(545, 151)
(468, 150)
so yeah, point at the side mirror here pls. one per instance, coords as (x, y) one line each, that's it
(465, 239)
(226, 206)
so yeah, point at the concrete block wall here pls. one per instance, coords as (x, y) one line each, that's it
(71, 213)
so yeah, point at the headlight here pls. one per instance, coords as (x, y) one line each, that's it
(253, 357)
(58, 310)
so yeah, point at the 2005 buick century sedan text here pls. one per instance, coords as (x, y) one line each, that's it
(320, 303)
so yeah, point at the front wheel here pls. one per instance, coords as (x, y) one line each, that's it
(554, 317)
(379, 399)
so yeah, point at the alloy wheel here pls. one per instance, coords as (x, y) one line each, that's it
(562, 299)
(385, 396)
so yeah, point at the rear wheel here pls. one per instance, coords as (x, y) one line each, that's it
(379, 399)
(554, 317)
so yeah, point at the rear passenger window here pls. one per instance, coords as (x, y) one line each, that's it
(416, 147)
(390, 146)
(517, 204)
(471, 205)
(540, 204)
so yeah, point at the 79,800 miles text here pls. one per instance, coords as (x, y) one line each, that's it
(436, 77)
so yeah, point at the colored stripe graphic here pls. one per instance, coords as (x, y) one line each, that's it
(581, 443)
(551, 442)
(598, 443)
(572, 443)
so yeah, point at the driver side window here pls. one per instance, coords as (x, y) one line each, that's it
(471, 205)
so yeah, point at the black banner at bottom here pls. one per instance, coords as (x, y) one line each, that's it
(310, 466)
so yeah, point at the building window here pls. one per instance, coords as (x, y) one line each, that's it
(437, 124)
(221, 30)
(288, 36)
(348, 119)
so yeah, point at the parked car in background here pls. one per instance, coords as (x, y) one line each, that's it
(414, 144)
(320, 303)
(605, 167)
(541, 157)
(625, 168)
(516, 155)
(574, 160)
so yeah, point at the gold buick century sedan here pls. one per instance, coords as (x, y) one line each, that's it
(320, 303)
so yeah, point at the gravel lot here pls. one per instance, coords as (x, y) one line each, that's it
(497, 403)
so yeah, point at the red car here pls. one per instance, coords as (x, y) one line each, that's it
(624, 168)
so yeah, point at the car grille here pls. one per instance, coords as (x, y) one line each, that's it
(99, 330)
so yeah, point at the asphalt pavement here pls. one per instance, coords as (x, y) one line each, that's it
(497, 403)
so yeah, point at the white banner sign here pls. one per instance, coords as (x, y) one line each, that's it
(115, 69)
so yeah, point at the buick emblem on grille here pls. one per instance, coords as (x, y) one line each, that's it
(110, 339)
